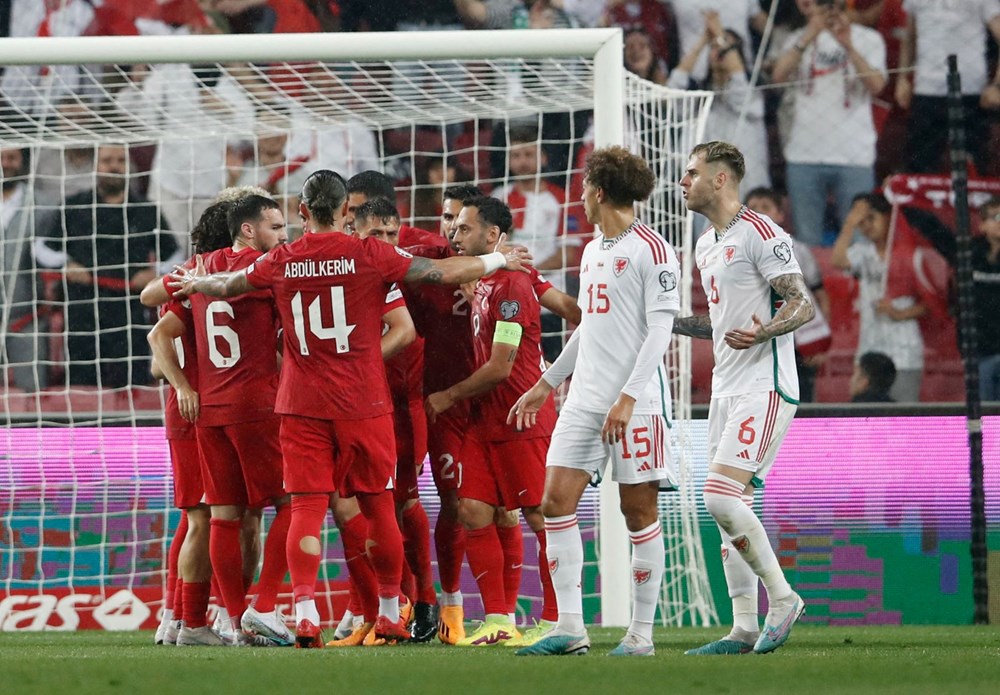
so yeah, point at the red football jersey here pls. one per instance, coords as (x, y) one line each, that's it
(237, 348)
(405, 371)
(187, 354)
(509, 296)
(325, 286)
(415, 236)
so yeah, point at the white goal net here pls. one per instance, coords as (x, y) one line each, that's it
(107, 165)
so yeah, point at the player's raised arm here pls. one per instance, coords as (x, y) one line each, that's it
(461, 269)
(194, 280)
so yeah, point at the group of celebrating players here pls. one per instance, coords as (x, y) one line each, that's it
(317, 375)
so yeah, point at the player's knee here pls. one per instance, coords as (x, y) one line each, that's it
(638, 515)
(473, 514)
(721, 507)
(309, 545)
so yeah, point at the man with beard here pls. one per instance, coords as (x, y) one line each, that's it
(107, 243)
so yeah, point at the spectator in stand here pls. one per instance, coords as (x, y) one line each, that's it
(653, 18)
(62, 171)
(513, 14)
(187, 173)
(641, 59)
(23, 318)
(813, 339)
(986, 278)
(872, 380)
(739, 15)
(889, 306)
(837, 67)
(106, 242)
(538, 207)
(737, 113)
(935, 30)
(265, 16)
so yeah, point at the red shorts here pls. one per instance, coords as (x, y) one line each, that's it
(186, 464)
(241, 463)
(507, 474)
(345, 456)
(444, 443)
(410, 425)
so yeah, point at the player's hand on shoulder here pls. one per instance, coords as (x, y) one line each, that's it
(518, 257)
(182, 279)
(743, 338)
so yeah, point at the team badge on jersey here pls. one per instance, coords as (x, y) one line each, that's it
(621, 264)
(640, 576)
(553, 565)
(729, 254)
(402, 253)
(783, 251)
(509, 309)
(668, 280)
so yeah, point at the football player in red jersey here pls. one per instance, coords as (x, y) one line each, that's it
(333, 396)
(237, 426)
(503, 468)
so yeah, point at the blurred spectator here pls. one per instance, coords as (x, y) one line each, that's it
(33, 90)
(654, 18)
(424, 15)
(837, 67)
(23, 319)
(936, 29)
(265, 16)
(509, 14)
(986, 280)
(188, 171)
(586, 13)
(641, 59)
(738, 15)
(434, 175)
(539, 211)
(107, 242)
(812, 341)
(872, 380)
(64, 170)
(737, 113)
(888, 305)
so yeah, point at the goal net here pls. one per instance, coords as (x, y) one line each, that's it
(107, 165)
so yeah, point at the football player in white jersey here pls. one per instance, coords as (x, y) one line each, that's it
(756, 298)
(618, 405)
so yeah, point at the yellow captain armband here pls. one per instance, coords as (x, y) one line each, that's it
(508, 333)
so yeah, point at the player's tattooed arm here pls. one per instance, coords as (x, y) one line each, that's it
(698, 326)
(424, 270)
(796, 310)
(222, 284)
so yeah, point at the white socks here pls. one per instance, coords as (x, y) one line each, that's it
(389, 607)
(565, 552)
(451, 598)
(647, 573)
(306, 610)
(724, 501)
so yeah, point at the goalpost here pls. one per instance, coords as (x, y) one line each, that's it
(85, 494)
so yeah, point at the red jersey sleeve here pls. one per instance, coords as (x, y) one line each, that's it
(263, 271)
(391, 262)
(538, 283)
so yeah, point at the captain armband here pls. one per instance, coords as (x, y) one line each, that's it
(508, 333)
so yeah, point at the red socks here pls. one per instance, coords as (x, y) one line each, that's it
(416, 537)
(549, 610)
(449, 542)
(272, 572)
(386, 551)
(512, 542)
(364, 589)
(486, 560)
(227, 564)
(195, 599)
(174, 553)
(308, 513)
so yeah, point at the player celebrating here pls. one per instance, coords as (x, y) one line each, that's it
(748, 272)
(617, 404)
(502, 467)
(333, 394)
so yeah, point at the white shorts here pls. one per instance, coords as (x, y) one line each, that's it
(746, 431)
(643, 455)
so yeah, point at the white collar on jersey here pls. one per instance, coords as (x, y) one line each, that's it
(610, 243)
(739, 216)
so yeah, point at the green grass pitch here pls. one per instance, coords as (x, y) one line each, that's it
(815, 660)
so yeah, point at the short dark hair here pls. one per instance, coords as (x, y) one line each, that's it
(373, 184)
(522, 134)
(376, 209)
(767, 193)
(876, 201)
(879, 369)
(461, 192)
(247, 209)
(492, 211)
(211, 231)
(624, 177)
(728, 154)
(992, 204)
(323, 193)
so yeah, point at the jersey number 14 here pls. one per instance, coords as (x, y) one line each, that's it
(311, 321)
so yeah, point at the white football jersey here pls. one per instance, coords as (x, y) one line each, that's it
(621, 281)
(736, 267)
